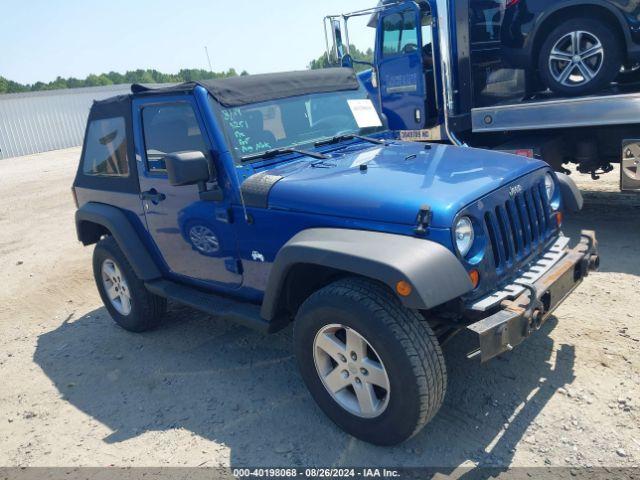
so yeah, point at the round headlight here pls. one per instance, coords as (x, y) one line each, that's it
(549, 185)
(464, 235)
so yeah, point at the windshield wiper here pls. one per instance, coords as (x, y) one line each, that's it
(280, 151)
(350, 136)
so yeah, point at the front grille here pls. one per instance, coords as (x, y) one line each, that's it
(519, 226)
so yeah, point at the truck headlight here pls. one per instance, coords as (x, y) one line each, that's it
(549, 186)
(464, 235)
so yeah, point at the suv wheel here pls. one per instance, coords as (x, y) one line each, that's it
(579, 57)
(374, 367)
(124, 295)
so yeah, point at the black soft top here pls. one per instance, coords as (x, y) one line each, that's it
(243, 90)
(229, 92)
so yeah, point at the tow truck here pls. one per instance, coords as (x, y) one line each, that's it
(445, 83)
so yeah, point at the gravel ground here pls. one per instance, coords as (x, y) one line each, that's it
(78, 391)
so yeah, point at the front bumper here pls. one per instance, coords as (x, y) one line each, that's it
(505, 318)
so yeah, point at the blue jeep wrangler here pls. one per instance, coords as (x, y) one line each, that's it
(281, 198)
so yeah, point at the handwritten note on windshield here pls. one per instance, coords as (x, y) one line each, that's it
(364, 113)
(243, 134)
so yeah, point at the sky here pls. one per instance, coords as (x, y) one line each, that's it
(43, 39)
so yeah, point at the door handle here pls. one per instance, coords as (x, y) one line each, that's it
(153, 196)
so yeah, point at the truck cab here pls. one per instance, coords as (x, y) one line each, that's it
(404, 56)
(544, 79)
(282, 199)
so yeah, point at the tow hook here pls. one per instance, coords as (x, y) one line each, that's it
(534, 311)
(529, 328)
(534, 322)
(536, 318)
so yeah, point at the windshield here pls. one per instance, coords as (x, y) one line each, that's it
(298, 121)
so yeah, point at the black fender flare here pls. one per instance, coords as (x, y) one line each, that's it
(435, 273)
(116, 222)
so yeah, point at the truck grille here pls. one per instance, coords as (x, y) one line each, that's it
(520, 226)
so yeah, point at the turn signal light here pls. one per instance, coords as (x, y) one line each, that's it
(474, 276)
(403, 288)
(559, 218)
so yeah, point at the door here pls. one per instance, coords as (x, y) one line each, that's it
(399, 56)
(195, 238)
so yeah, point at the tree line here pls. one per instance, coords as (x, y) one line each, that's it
(154, 76)
(363, 56)
(115, 78)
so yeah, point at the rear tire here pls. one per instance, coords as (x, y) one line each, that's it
(395, 338)
(124, 295)
(569, 63)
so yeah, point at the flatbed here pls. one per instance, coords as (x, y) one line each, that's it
(591, 111)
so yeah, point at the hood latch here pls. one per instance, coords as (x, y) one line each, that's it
(423, 220)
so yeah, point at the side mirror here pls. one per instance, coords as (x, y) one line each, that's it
(347, 61)
(192, 168)
(187, 168)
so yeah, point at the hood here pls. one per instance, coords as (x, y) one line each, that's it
(398, 179)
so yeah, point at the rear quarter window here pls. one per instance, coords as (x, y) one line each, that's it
(105, 152)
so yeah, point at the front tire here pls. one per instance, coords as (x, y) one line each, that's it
(580, 56)
(124, 295)
(374, 367)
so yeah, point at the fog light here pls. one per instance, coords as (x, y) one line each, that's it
(559, 218)
(403, 288)
(474, 276)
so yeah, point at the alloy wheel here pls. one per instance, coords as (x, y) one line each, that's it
(116, 287)
(576, 58)
(351, 371)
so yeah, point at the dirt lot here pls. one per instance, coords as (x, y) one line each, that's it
(78, 391)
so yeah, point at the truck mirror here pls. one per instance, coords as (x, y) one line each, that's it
(187, 168)
(347, 61)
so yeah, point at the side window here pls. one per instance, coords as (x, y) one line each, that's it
(427, 31)
(391, 29)
(170, 128)
(486, 18)
(106, 149)
(400, 34)
(409, 40)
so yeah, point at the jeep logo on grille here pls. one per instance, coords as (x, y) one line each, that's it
(515, 190)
